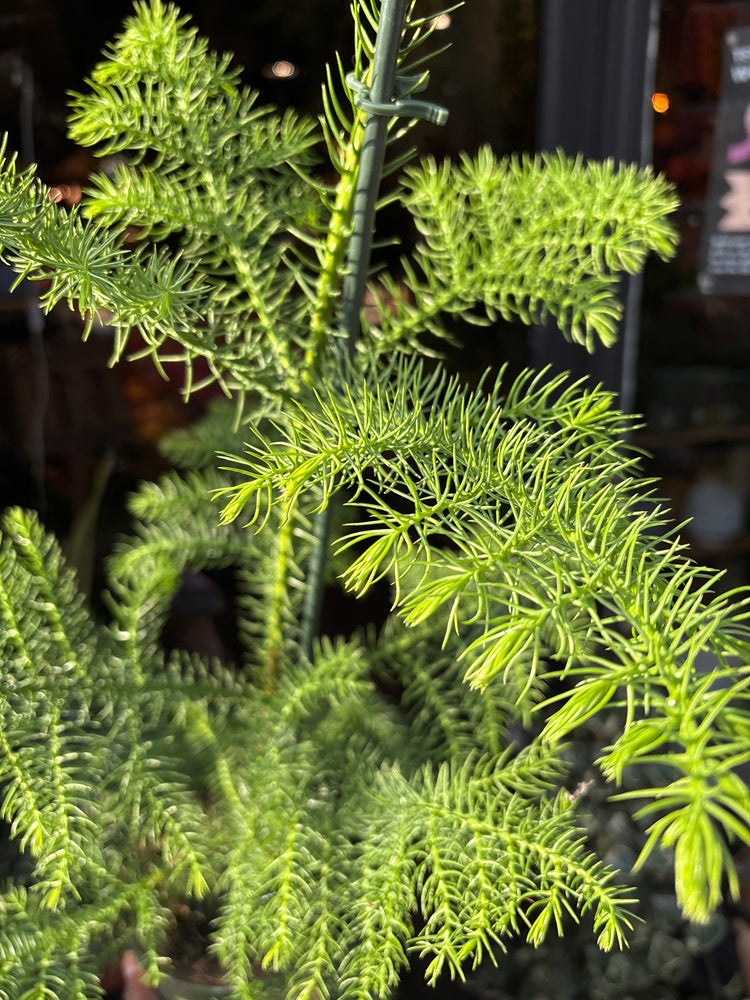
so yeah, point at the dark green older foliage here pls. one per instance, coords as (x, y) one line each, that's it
(365, 803)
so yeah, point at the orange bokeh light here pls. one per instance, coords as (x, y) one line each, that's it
(660, 103)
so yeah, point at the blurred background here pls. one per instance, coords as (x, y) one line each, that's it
(649, 81)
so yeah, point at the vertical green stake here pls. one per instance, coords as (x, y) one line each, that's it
(387, 44)
(385, 57)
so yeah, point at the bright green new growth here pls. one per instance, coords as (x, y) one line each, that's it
(365, 804)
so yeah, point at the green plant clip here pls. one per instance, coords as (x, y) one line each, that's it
(425, 110)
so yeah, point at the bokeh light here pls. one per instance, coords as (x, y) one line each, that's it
(282, 69)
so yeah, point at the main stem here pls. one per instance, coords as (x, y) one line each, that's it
(385, 59)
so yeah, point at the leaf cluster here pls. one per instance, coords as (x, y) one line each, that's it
(86, 266)
(246, 293)
(356, 804)
(347, 827)
(524, 238)
(519, 512)
(91, 792)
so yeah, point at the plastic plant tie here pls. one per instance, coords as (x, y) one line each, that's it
(400, 107)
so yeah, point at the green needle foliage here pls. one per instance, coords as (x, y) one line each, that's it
(401, 791)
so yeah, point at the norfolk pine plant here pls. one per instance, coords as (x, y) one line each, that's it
(350, 801)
